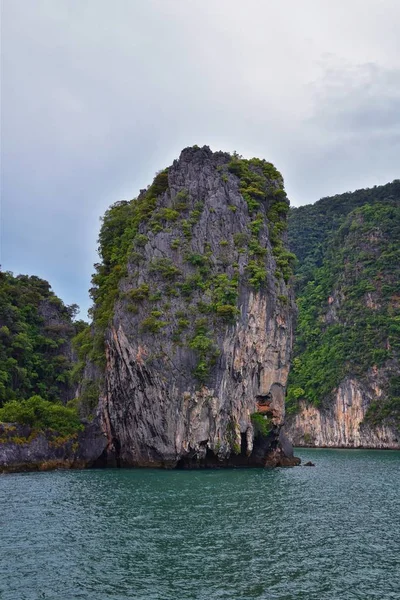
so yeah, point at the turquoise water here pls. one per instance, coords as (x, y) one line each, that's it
(324, 533)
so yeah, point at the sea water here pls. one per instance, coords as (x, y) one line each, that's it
(315, 533)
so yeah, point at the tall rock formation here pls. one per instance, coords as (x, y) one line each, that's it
(193, 302)
(345, 383)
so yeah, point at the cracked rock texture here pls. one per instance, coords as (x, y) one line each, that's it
(23, 449)
(153, 408)
(342, 423)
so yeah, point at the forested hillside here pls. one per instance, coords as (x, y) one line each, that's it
(36, 356)
(348, 297)
(312, 227)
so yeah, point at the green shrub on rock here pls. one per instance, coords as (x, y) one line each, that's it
(227, 312)
(164, 267)
(41, 415)
(140, 293)
(261, 423)
(152, 324)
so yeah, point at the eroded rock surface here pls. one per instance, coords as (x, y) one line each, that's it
(23, 449)
(341, 424)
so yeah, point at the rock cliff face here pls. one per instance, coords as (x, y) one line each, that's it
(343, 424)
(199, 341)
(345, 383)
(24, 449)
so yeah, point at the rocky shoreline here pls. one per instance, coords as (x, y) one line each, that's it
(25, 450)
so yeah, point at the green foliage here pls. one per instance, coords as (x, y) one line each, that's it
(261, 423)
(256, 226)
(255, 248)
(153, 324)
(186, 229)
(205, 289)
(278, 209)
(120, 225)
(225, 290)
(206, 350)
(165, 214)
(389, 408)
(181, 200)
(82, 345)
(311, 227)
(197, 260)
(257, 274)
(241, 239)
(261, 185)
(140, 293)
(140, 240)
(349, 317)
(183, 323)
(227, 311)
(155, 297)
(89, 397)
(192, 283)
(202, 344)
(232, 433)
(176, 243)
(204, 308)
(285, 260)
(308, 440)
(253, 174)
(35, 334)
(41, 415)
(164, 267)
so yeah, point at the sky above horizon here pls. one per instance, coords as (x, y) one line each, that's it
(96, 96)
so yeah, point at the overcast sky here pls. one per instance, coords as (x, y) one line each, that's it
(98, 95)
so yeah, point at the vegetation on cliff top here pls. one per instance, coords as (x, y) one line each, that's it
(252, 174)
(348, 296)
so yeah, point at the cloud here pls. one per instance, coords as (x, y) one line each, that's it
(98, 96)
(355, 127)
(359, 100)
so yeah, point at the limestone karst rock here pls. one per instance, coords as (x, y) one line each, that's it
(193, 301)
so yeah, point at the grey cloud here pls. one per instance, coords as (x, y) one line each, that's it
(98, 96)
(353, 134)
(361, 99)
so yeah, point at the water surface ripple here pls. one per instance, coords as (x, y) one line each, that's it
(324, 533)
